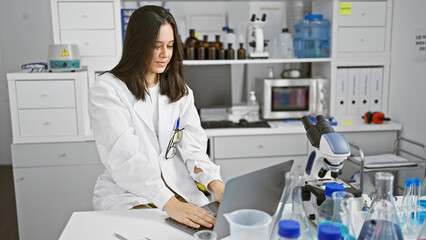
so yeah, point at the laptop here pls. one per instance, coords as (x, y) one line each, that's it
(261, 190)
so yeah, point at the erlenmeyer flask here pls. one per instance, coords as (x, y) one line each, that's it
(382, 222)
(342, 214)
(292, 207)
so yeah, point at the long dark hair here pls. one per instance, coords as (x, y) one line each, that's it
(138, 45)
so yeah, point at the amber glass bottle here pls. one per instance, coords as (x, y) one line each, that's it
(212, 52)
(217, 43)
(201, 52)
(221, 53)
(192, 39)
(205, 43)
(190, 52)
(241, 53)
(230, 53)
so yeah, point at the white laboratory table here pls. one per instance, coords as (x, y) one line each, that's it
(143, 224)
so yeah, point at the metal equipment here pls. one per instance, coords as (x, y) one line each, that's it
(64, 57)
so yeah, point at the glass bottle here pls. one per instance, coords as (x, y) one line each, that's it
(221, 53)
(230, 53)
(212, 52)
(217, 43)
(190, 52)
(288, 229)
(292, 206)
(241, 52)
(201, 52)
(382, 222)
(343, 202)
(206, 45)
(192, 40)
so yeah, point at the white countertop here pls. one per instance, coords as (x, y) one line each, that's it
(296, 127)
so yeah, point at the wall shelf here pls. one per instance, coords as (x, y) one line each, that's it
(253, 61)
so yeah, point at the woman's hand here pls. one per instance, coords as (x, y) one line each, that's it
(188, 214)
(217, 187)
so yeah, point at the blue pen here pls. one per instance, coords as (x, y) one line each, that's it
(177, 123)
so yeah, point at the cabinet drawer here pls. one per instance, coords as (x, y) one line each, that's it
(361, 39)
(260, 146)
(47, 122)
(92, 43)
(45, 94)
(86, 15)
(54, 154)
(365, 14)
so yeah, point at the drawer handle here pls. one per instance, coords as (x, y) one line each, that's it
(363, 14)
(20, 179)
(47, 122)
(361, 39)
(85, 15)
(45, 94)
(86, 43)
(260, 146)
(62, 155)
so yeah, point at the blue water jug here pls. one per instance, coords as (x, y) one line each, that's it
(312, 37)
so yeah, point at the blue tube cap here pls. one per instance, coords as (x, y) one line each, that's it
(289, 228)
(330, 188)
(417, 181)
(329, 232)
(408, 182)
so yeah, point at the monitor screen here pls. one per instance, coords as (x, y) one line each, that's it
(211, 85)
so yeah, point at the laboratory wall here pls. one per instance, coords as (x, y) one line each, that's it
(25, 33)
(408, 69)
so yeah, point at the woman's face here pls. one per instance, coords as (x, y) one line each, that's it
(163, 49)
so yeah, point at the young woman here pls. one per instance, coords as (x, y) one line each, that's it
(147, 129)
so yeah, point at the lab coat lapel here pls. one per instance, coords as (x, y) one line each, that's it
(142, 110)
(167, 121)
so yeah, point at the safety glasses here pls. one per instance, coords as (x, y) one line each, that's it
(176, 138)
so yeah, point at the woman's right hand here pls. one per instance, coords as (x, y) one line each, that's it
(188, 214)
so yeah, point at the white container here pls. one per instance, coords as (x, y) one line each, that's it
(285, 44)
(248, 224)
(231, 37)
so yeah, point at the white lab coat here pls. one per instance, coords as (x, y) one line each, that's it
(133, 156)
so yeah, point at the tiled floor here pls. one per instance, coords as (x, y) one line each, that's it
(8, 219)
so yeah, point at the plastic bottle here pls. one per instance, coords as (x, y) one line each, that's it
(292, 207)
(342, 213)
(382, 222)
(405, 213)
(329, 232)
(288, 229)
(285, 44)
(253, 108)
(312, 37)
(230, 38)
(326, 209)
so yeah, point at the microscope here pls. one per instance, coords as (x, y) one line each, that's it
(259, 44)
(324, 164)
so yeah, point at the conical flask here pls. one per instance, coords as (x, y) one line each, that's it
(292, 207)
(382, 222)
(343, 202)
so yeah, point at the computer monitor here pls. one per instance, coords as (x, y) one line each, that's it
(212, 85)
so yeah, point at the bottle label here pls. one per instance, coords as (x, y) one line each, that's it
(380, 229)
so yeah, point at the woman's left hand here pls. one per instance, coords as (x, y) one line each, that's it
(217, 187)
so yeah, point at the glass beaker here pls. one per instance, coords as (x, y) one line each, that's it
(248, 224)
(382, 222)
(292, 206)
(343, 202)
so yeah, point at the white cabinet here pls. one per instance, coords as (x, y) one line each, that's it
(240, 154)
(51, 182)
(49, 107)
(95, 26)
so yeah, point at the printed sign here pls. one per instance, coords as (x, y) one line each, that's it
(419, 46)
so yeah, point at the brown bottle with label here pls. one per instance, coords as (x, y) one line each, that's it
(221, 54)
(201, 52)
(205, 43)
(217, 43)
(190, 52)
(192, 39)
(212, 52)
(230, 53)
(241, 53)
